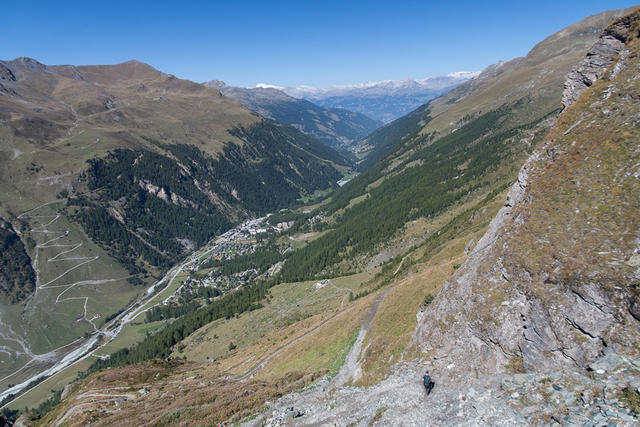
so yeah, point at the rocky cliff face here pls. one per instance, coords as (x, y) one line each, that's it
(599, 58)
(553, 286)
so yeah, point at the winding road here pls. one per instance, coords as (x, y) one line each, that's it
(110, 330)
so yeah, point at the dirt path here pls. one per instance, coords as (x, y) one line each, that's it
(265, 360)
(352, 362)
(343, 400)
(96, 396)
(71, 411)
(75, 408)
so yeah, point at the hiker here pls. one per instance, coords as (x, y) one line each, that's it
(428, 384)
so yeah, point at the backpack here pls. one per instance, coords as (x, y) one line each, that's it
(428, 384)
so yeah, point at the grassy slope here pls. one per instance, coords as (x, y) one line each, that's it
(52, 123)
(431, 263)
(290, 303)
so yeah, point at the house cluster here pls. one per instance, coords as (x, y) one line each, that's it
(246, 230)
(235, 242)
(218, 281)
(283, 226)
(316, 219)
(225, 283)
(229, 250)
(321, 284)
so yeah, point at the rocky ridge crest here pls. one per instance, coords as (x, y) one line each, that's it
(598, 59)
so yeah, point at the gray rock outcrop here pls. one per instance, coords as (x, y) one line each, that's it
(598, 59)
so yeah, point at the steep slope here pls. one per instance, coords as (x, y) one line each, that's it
(383, 140)
(533, 80)
(456, 150)
(109, 174)
(336, 127)
(385, 100)
(553, 284)
(463, 328)
(540, 324)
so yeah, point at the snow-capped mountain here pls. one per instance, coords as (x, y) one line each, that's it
(383, 100)
(336, 127)
(381, 87)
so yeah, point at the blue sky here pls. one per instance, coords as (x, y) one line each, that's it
(287, 43)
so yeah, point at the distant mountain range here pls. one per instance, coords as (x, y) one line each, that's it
(384, 100)
(336, 127)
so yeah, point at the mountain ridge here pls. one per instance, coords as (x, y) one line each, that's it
(383, 100)
(493, 246)
(336, 127)
(113, 173)
(340, 89)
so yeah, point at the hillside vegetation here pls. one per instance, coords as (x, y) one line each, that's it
(459, 147)
(519, 299)
(17, 278)
(335, 127)
(111, 174)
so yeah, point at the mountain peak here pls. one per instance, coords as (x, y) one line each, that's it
(268, 86)
(216, 84)
(464, 74)
(134, 61)
(29, 61)
(384, 100)
(131, 70)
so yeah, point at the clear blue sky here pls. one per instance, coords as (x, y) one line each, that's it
(288, 43)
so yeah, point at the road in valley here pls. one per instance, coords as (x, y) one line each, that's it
(152, 297)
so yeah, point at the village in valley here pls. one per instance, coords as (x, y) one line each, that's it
(217, 271)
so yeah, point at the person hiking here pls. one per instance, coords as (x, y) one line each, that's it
(428, 384)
